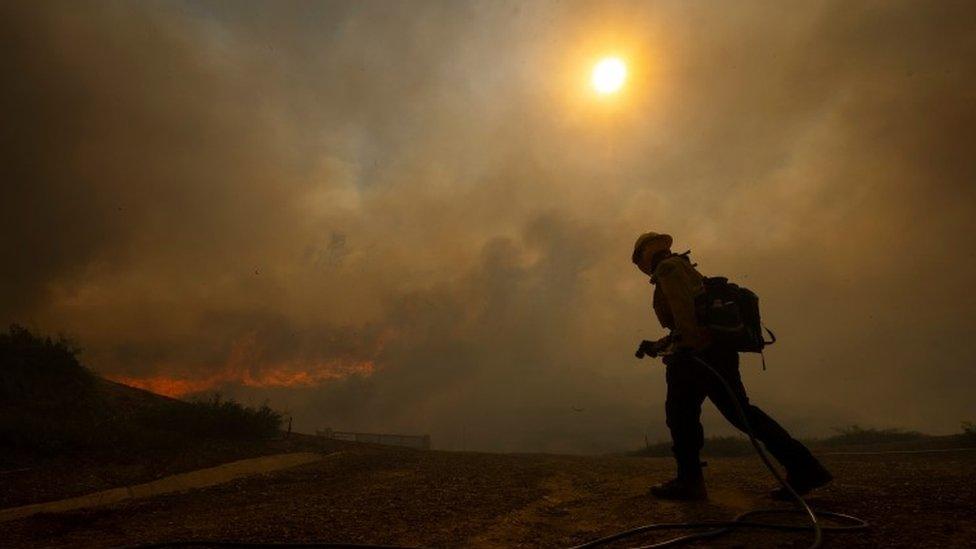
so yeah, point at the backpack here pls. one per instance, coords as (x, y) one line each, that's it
(731, 314)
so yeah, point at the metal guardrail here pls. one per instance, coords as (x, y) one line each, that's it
(420, 442)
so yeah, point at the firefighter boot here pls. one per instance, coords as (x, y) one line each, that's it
(689, 485)
(803, 481)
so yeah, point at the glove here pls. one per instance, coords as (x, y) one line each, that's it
(652, 348)
(646, 348)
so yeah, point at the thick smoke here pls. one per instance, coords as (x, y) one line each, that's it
(412, 217)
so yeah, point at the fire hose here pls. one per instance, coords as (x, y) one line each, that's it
(848, 523)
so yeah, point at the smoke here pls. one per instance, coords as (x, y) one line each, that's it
(412, 217)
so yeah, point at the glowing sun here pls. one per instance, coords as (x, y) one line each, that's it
(609, 75)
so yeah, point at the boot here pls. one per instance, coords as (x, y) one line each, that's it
(682, 488)
(803, 481)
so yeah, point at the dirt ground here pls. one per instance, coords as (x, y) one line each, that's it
(364, 494)
(83, 473)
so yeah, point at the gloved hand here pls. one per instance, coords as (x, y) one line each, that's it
(645, 348)
(652, 348)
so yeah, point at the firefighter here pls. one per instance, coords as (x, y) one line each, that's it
(676, 285)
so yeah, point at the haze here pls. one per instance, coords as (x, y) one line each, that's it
(417, 217)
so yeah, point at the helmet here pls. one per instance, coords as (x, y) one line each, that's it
(659, 241)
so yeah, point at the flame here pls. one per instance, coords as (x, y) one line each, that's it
(169, 386)
(286, 374)
(247, 365)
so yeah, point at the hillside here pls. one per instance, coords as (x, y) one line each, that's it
(70, 432)
(66, 431)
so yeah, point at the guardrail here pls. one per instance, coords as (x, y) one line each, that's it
(420, 442)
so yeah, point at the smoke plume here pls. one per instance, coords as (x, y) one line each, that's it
(414, 217)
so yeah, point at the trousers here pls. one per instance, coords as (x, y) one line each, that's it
(689, 382)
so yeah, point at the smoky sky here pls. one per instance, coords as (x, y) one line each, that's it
(202, 188)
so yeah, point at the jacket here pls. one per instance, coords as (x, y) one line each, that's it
(676, 285)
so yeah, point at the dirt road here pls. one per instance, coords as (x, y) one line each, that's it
(442, 499)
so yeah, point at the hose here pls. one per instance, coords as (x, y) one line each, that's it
(717, 528)
(739, 521)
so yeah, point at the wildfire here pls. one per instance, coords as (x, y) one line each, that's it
(248, 364)
(290, 374)
(171, 387)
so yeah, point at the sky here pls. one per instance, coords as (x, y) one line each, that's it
(417, 217)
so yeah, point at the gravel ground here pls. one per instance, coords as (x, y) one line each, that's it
(364, 494)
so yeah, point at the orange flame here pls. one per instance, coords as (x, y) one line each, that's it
(247, 366)
(288, 374)
(162, 385)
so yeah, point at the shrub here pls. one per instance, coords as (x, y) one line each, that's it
(855, 434)
(215, 417)
(32, 367)
(969, 429)
(51, 404)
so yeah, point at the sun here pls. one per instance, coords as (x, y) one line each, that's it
(609, 75)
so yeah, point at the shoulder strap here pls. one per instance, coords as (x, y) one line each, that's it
(765, 343)
(685, 255)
